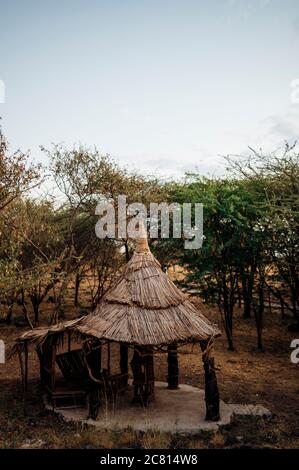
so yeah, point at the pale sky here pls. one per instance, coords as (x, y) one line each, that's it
(164, 86)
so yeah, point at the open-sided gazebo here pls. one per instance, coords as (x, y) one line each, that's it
(145, 311)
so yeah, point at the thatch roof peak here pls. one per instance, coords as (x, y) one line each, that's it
(145, 307)
(141, 240)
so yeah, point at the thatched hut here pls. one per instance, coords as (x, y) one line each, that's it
(144, 310)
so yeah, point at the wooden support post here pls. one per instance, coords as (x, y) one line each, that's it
(108, 358)
(25, 366)
(51, 361)
(123, 363)
(149, 376)
(211, 387)
(173, 367)
(93, 356)
(20, 354)
(138, 376)
(69, 341)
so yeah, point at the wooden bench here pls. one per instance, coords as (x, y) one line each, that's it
(72, 365)
(79, 379)
(62, 391)
(67, 395)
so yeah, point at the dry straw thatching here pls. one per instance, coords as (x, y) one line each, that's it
(38, 335)
(146, 308)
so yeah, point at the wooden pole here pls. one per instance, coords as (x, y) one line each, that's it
(108, 358)
(26, 366)
(53, 348)
(123, 350)
(21, 367)
(69, 341)
(149, 392)
(211, 387)
(93, 356)
(173, 367)
(138, 379)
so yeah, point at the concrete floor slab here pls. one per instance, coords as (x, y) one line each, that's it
(175, 411)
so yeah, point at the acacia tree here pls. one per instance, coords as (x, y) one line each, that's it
(85, 177)
(277, 177)
(214, 267)
(233, 247)
(41, 250)
(82, 177)
(11, 280)
(17, 177)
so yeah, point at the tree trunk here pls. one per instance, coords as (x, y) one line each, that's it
(211, 387)
(295, 304)
(247, 288)
(282, 308)
(269, 301)
(35, 305)
(8, 318)
(239, 295)
(259, 313)
(227, 320)
(77, 287)
(25, 312)
(231, 346)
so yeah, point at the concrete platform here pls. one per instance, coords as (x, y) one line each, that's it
(175, 411)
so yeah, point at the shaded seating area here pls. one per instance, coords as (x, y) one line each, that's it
(72, 377)
(72, 366)
(66, 389)
(143, 312)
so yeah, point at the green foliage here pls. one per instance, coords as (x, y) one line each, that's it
(251, 230)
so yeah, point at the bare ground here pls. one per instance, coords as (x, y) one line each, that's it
(244, 376)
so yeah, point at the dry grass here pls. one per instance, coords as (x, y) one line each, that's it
(156, 440)
(217, 440)
(128, 438)
(244, 376)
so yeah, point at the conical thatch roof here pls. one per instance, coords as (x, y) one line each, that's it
(146, 308)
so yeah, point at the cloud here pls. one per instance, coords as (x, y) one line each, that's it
(177, 167)
(284, 127)
(159, 163)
